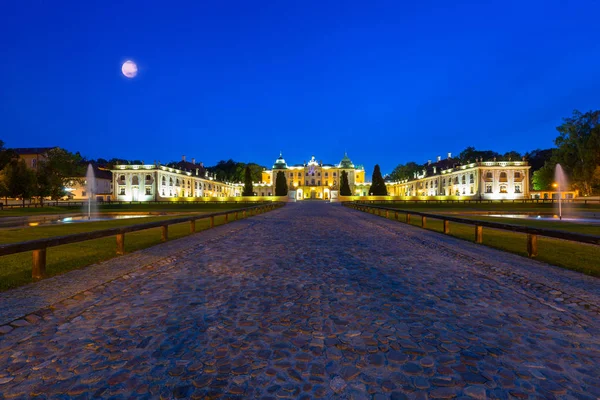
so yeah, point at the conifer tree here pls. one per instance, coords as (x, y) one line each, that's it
(378, 187)
(281, 188)
(344, 186)
(248, 189)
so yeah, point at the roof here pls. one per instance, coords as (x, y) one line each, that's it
(280, 163)
(101, 173)
(188, 166)
(32, 150)
(346, 162)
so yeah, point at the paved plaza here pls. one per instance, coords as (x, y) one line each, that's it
(312, 300)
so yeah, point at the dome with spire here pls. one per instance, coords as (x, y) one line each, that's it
(280, 163)
(346, 162)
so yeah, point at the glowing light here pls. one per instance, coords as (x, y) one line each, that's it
(129, 69)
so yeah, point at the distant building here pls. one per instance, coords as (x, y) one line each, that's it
(312, 179)
(155, 182)
(77, 188)
(487, 180)
(33, 155)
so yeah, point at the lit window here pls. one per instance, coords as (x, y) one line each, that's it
(83, 192)
(488, 188)
(503, 189)
(503, 177)
(517, 188)
(148, 190)
(464, 179)
(122, 190)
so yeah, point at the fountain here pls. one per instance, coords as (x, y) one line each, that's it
(560, 184)
(90, 187)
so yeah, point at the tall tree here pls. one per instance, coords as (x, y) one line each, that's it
(543, 178)
(378, 187)
(470, 154)
(248, 189)
(405, 171)
(54, 173)
(19, 181)
(344, 185)
(6, 155)
(281, 188)
(578, 149)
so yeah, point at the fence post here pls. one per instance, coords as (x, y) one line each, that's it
(164, 233)
(193, 226)
(38, 270)
(407, 218)
(226, 218)
(478, 234)
(244, 214)
(423, 221)
(396, 215)
(235, 216)
(120, 244)
(212, 221)
(446, 226)
(532, 249)
(387, 214)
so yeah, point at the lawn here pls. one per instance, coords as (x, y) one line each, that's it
(507, 206)
(15, 270)
(571, 255)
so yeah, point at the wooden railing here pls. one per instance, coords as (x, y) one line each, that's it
(532, 233)
(39, 246)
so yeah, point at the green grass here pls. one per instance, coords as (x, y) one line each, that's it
(15, 269)
(125, 207)
(570, 255)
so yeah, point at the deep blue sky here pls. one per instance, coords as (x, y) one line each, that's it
(390, 82)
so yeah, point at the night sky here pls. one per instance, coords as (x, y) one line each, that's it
(390, 82)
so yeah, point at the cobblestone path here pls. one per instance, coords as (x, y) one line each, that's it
(315, 301)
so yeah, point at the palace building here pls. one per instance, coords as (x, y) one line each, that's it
(488, 180)
(312, 179)
(156, 182)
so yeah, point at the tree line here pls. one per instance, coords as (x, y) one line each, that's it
(577, 150)
(47, 180)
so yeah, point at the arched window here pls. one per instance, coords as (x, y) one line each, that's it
(164, 182)
(503, 176)
(517, 175)
(464, 179)
(471, 179)
(177, 182)
(135, 180)
(489, 175)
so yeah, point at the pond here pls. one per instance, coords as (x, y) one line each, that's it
(16, 222)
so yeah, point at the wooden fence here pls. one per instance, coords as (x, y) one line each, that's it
(532, 233)
(39, 246)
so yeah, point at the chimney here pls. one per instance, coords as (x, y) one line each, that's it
(428, 162)
(449, 155)
(439, 158)
(202, 165)
(196, 171)
(434, 170)
(183, 158)
(193, 161)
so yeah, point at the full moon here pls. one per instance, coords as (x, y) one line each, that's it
(129, 69)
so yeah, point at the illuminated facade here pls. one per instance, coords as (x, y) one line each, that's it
(155, 182)
(487, 180)
(312, 179)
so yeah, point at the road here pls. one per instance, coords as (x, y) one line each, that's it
(312, 300)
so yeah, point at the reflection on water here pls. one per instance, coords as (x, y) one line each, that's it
(69, 220)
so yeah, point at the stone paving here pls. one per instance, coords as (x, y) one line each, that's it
(312, 300)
